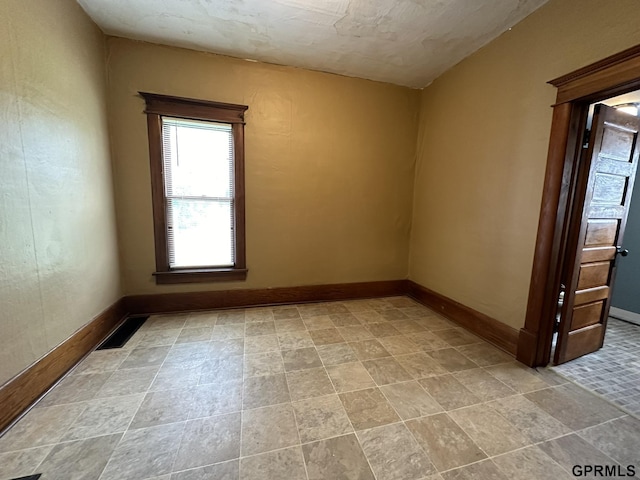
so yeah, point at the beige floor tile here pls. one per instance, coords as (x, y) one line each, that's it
(449, 392)
(225, 348)
(201, 319)
(268, 428)
(571, 450)
(428, 341)
(394, 454)
(261, 344)
(320, 322)
(483, 385)
(104, 417)
(101, 361)
(620, 439)
(187, 354)
(144, 453)
(326, 336)
(446, 444)
(260, 328)
(420, 365)
(301, 359)
(380, 330)
(393, 314)
(169, 321)
(221, 370)
(268, 363)
(216, 399)
(229, 470)
(286, 313)
(128, 382)
(576, 410)
(484, 354)
(309, 383)
(368, 408)
(529, 463)
(294, 340)
(369, 316)
(166, 406)
(410, 400)
(265, 390)
(287, 463)
(258, 314)
(22, 462)
(386, 370)
(336, 354)
(75, 388)
(209, 440)
(339, 458)
(231, 317)
(485, 470)
(457, 337)
(321, 417)
(289, 325)
(369, 349)
(408, 327)
(489, 430)
(399, 345)
(196, 334)
(146, 357)
(228, 331)
(355, 333)
(452, 360)
(344, 319)
(80, 459)
(158, 338)
(349, 376)
(172, 376)
(530, 420)
(434, 322)
(313, 310)
(520, 378)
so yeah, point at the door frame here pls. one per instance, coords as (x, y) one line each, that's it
(615, 75)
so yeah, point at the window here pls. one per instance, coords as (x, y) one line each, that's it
(196, 149)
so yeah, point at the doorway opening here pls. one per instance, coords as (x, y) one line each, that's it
(565, 190)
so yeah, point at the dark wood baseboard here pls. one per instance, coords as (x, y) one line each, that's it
(19, 393)
(190, 301)
(493, 331)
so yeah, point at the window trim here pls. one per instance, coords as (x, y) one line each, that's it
(158, 106)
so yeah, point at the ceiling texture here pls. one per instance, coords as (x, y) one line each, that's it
(405, 42)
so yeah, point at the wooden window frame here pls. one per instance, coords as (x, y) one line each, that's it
(158, 106)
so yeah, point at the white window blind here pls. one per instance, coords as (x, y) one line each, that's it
(199, 192)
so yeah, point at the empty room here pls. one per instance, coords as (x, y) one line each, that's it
(341, 239)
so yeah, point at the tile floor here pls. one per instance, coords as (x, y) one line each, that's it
(614, 370)
(372, 389)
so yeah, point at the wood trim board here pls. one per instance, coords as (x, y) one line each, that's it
(493, 331)
(192, 301)
(19, 393)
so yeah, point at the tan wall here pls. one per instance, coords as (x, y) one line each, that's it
(58, 255)
(482, 145)
(329, 166)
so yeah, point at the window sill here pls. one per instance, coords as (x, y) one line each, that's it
(200, 275)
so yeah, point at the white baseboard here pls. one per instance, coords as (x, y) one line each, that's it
(625, 315)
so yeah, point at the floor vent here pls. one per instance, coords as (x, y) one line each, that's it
(123, 333)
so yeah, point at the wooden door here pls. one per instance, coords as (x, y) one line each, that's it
(595, 237)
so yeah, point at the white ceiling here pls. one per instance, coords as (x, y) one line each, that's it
(406, 42)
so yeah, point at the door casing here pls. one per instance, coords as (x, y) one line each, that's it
(610, 77)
